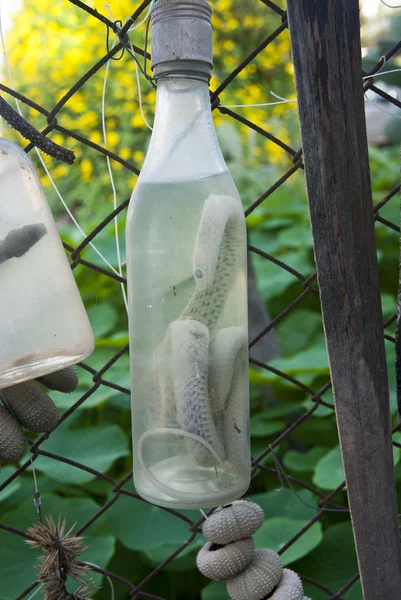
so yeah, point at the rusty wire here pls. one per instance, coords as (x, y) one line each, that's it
(306, 282)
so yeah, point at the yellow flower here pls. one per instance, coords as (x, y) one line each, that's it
(112, 139)
(86, 169)
(60, 171)
(77, 103)
(96, 137)
(137, 120)
(138, 156)
(125, 153)
(228, 45)
(89, 120)
(249, 22)
(231, 24)
(58, 139)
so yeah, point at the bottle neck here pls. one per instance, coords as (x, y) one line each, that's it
(183, 142)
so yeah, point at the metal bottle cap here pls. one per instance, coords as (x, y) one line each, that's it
(181, 31)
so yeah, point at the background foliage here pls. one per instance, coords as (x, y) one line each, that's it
(51, 46)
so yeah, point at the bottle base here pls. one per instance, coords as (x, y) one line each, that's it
(179, 483)
(27, 368)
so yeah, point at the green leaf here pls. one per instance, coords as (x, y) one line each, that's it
(389, 305)
(103, 318)
(273, 280)
(298, 236)
(26, 487)
(257, 377)
(12, 487)
(65, 401)
(102, 355)
(17, 563)
(99, 552)
(297, 330)
(17, 560)
(329, 470)
(185, 561)
(304, 461)
(106, 246)
(284, 202)
(95, 447)
(284, 503)
(333, 564)
(280, 410)
(148, 528)
(120, 401)
(261, 427)
(276, 532)
(217, 590)
(319, 432)
(126, 564)
(314, 360)
(321, 411)
(116, 340)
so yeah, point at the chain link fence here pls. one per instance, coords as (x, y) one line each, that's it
(266, 466)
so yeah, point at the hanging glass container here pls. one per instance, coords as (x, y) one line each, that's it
(187, 282)
(43, 323)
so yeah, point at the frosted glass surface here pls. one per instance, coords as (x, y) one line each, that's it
(186, 271)
(43, 323)
(188, 343)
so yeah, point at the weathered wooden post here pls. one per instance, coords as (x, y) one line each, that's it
(327, 58)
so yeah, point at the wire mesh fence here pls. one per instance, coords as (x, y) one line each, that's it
(292, 431)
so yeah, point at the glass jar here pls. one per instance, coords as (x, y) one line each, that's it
(43, 323)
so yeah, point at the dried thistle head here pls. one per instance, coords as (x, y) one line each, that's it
(58, 562)
(56, 590)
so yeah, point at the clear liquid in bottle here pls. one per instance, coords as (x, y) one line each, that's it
(186, 258)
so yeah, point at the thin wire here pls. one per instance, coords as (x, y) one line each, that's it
(107, 577)
(389, 5)
(138, 82)
(261, 104)
(131, 51)
(380, 73)
(42, 161)
(104, 130)
(278, 468)
(36, 591)
(282, 474)
(281, 99)
(113, 187)
(374, 102)
(77, 225)
(107, 6)
(148, 77)
(137, 25)
(286, 100)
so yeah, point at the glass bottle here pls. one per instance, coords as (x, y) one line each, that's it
(43, 323)
(187, 282)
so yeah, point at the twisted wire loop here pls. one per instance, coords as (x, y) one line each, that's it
(305, 290)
